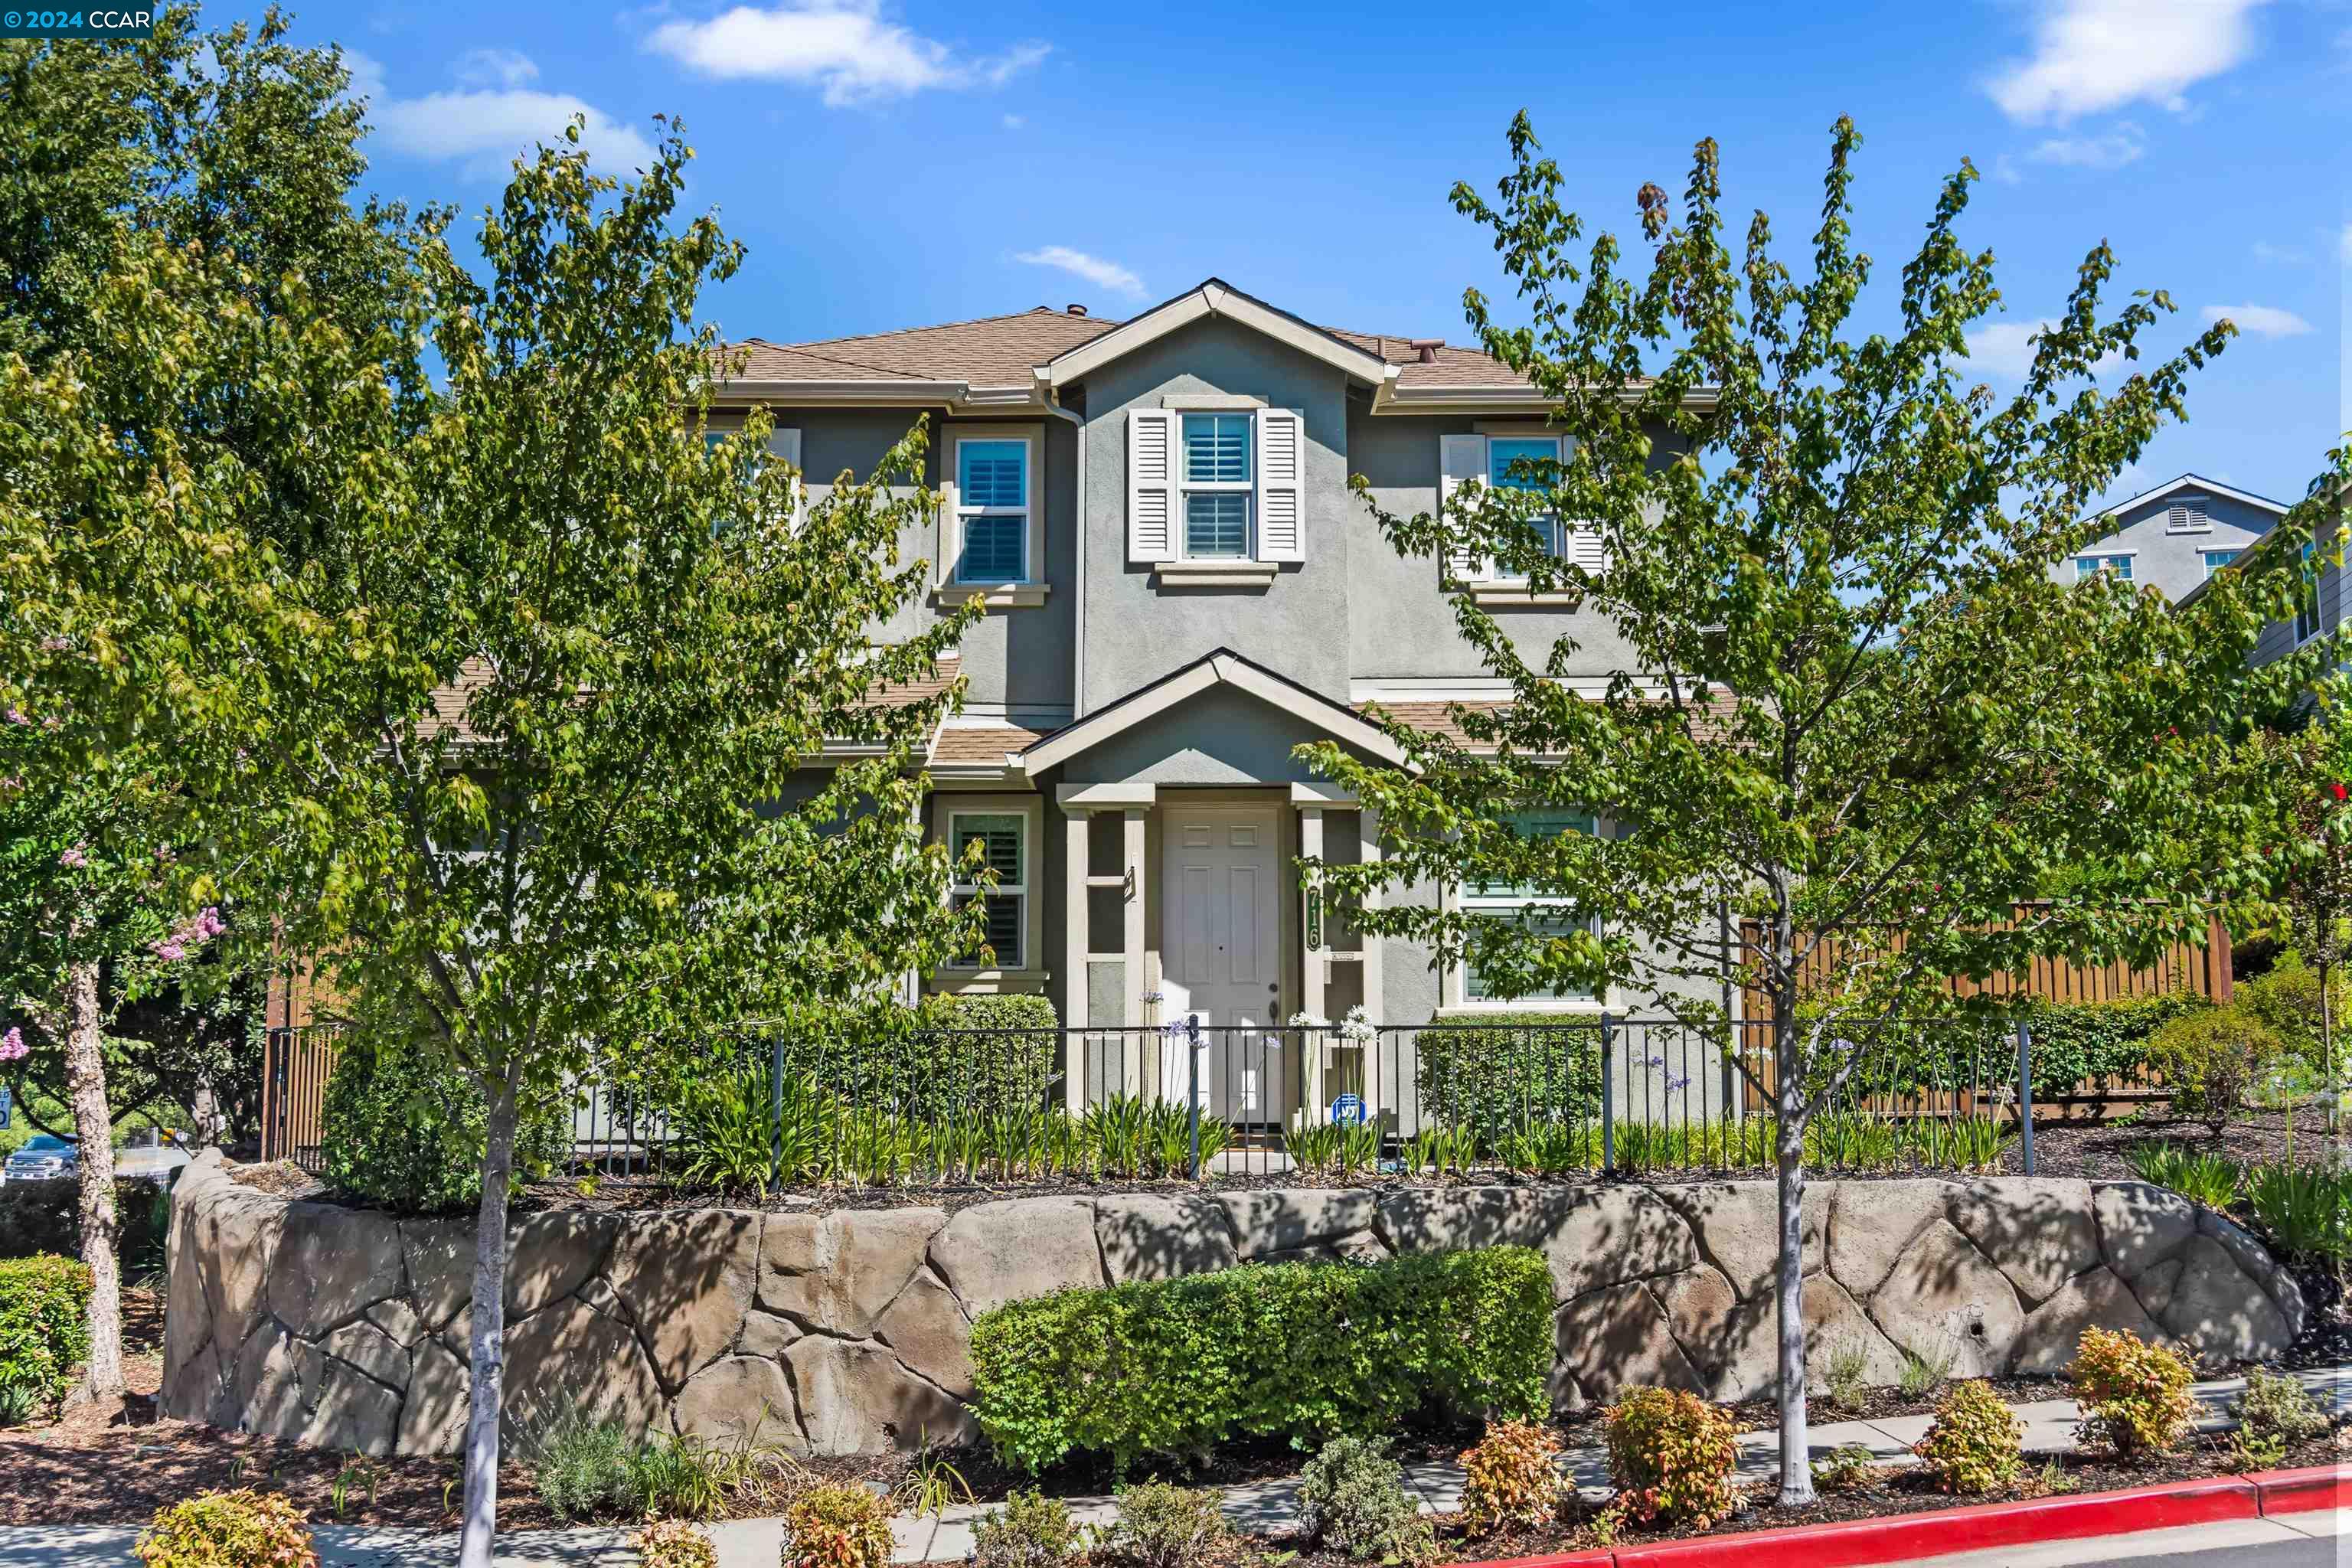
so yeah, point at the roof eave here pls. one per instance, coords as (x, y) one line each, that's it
(881, 394)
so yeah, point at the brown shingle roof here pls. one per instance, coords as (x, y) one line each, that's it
(1002, 351)
(986, 744)
(1435, 718)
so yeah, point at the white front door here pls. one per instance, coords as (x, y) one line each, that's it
(1221, 959)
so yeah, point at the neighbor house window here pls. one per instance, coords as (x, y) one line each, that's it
(1218, 482)
(1535, 912)
(2306, 608)
(1003, 838)
(1502, 453)
(992, 501)
(2087, 567)
(2217, 559)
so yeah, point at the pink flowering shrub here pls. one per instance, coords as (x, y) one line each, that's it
(13, 1047)
(192, 932)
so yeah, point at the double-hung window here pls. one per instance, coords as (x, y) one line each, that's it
(1508, 467)
(2087, 567)
(1536, 912)
(1004, 850)
(2306, 602)
(2216, 559)
(993, 506)
(1218, 480)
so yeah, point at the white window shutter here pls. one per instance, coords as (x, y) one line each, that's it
(784, 441)
(1151, 485)
(1281, 487)
(1461, 459)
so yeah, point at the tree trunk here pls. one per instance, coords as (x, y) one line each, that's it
(1796, 1462)
(204, 1116)
(488, 1333)
(94, 1132)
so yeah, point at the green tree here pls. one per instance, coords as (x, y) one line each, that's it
(1860, 709)
(589, 798)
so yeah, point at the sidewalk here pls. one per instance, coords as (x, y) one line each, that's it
(1260, 1507)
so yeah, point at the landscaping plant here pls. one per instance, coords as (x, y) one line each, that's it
(1511, 1479)
(2276, 1410)
(2134, 1395)
(1672, 1454)
(673, 1544)
(1301, 1350)
(241, 1529)
(1355, 1500)
(1866, 711)
(1164, 1526)
(2213, 1060)
(1031, 1530)
(2200, 1176)
(583, 1467)
(1847, 1383)
(2307, 1209)
(1843, 1468)
(837, 1526)
(44, 1331)
(402, 1128)
(1977, 1444)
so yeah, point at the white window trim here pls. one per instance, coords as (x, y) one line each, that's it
(2205, 561)
(1453, 985)
(2310, 558)
(1484, 584)
(1186, 487)
(2077, 558)
(1028, 590)
(1030, 975)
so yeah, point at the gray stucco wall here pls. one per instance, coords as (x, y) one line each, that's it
(2173, 564)
(2278, 638)
(1139, 628)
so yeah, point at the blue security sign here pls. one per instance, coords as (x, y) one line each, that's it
(1347, 1107)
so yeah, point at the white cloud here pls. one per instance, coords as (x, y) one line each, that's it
(2004, 169)
(1102, 274)
(2006, 349)
(2281, 255)
(2108, 150)
(1014, 121)
(484, 129)
(2343, 246)
(2261, 320)
(2095, 55)
(843, 47)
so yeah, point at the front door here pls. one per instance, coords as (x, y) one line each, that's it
(1221, 959)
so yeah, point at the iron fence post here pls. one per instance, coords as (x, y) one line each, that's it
(2025, 1092)
(1608, 1096)
(776, 1111)
(1193, 1091)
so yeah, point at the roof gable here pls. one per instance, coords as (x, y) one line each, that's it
(1214, 297)
(1221, 668)
(2200, 486)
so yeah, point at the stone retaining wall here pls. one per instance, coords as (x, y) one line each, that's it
(848, 1330)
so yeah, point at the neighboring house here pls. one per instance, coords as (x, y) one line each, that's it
(2322, 609)
(1182, 589)
(2174, 537)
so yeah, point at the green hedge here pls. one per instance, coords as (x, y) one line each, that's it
(45, 1216)
(953, 1056)
(1522, 1068)
(43, 1330)
(404, 1129)
(1301, 1350)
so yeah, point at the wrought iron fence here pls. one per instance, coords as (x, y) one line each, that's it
(1602, 1094)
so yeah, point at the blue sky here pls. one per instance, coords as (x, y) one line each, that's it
(912, 161)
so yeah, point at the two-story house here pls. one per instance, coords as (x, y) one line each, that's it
(2175, 536)
(1181, 589)
(2321, 608)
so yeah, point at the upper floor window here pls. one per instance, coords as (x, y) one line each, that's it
(2186, 515)
(1217, 485)
(993, 514)
(2306, 603)
(1003, 841)
(2216, 559)
(1511, 467)
(1511, 459)
(1533, 910)
(2087, 567)
(992, 504)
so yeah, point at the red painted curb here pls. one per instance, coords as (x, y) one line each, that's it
(1899, 1537)
(2297, 1491)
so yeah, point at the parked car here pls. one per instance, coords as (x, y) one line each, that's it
(145, 1159)
(44, 1159)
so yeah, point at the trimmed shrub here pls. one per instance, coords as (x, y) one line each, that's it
(837, 1527)
(404, 1129)
(581, 1468)
(1163, 1526)
(1672, 1454)
(1354, 1496)
(1977, 1443)
(967, 1057)
(1302, 1350)
(673, 1544)
(2287, 1000)
(2277, 1408)
(1511, 1479)
(243, 1528)
(2135, 1395)
(45, 1216)
(2103, 1043)
(1492, 1079)
(44, 1334)
(1031, 1530)
(2213, 1060)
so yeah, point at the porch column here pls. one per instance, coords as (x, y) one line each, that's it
(1313, 970)
(1078, 987)
(1139, 883)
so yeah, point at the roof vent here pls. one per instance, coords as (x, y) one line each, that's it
(1425, 349)
(1075, 310)
(1043, 311)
